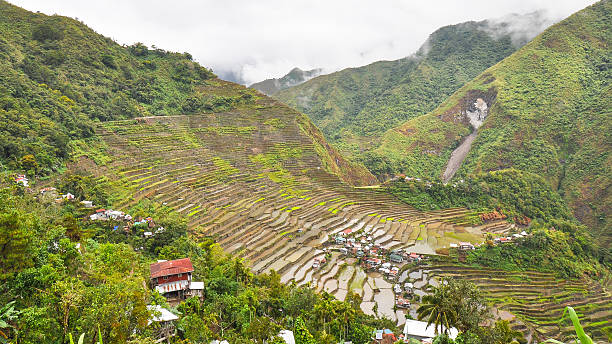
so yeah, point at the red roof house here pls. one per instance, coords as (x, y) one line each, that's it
(173, 279)
(171, 267)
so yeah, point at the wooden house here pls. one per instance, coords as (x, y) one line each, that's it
(173, 280)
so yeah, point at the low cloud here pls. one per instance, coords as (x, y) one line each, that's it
(249, 41)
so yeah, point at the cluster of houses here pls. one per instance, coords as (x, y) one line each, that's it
(466, 246)
(372, 256)
(403, 294)
(413, 330)
(173, 280)
(109, 214)
(115, 215)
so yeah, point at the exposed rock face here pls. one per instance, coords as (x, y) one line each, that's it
(477, 113)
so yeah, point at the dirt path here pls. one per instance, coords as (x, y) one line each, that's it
(458, 156)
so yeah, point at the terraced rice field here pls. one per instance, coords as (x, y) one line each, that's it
(264, 192)
(537, 299)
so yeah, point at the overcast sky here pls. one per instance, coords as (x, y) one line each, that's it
(251, 40)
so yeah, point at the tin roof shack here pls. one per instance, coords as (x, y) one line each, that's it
(396, 257)
(163, 321)
(22, 179)
(465, 246)
(172, 279)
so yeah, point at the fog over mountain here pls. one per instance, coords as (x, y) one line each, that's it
(263, 40)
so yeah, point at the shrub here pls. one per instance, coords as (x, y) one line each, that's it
(47, 32)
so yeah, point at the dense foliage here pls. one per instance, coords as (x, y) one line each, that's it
(549, 114)
(515, 193)
(558, 246)
(58, 76)
(355, 106)
(64, 275)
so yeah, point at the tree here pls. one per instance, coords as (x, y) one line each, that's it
(28, 163)
(47, 32)
(302, 335)
(15, 241)
(468, 304)
(437, 309)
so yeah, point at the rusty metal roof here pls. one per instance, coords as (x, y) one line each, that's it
(171, 267)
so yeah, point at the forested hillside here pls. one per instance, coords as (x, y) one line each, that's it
(58, 78)
(355, 106)
(549, 109)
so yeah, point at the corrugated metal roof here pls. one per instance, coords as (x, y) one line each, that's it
(172, 267)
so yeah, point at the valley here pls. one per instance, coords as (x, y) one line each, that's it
(343, 205)
(268, 198)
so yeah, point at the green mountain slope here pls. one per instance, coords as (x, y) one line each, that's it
(58, 78)
(295, 77)
(549, 113)
(355, 106)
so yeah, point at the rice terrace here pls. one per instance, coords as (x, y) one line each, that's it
(268, 197)
(425, 173)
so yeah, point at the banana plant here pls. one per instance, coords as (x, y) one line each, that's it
(582, 336)
(81, 338)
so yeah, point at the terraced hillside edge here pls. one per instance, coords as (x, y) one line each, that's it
(355, 106)
(58, 77)
(548, 110)
(534, 301)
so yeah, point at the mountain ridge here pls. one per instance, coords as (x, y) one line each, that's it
(355, 106)
(548, 113)
(60, 78)
(295, 77)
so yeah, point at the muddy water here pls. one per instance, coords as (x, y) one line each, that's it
(458, 156)
(331, 286)
(422, 247)
(357, 283)
(385, 300)
(368, 307)
(367, 292)
(345, 276)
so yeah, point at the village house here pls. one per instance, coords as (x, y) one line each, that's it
(172, 279)
(166, 328)
(109, 214)
(396, 257)
(421, 331)
(22, 179)
(464, 246)
(414, 257)
(401, 302)
(318, 262)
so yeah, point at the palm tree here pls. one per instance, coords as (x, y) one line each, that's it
(436, 308)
